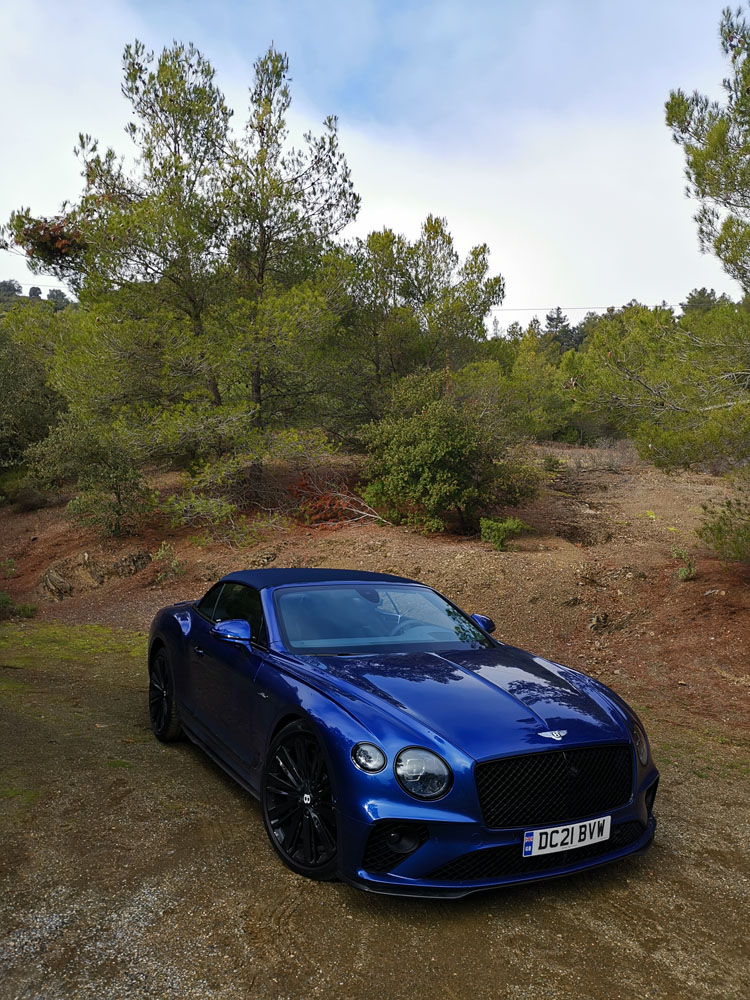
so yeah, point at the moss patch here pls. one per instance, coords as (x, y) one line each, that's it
(10, 686)
(33, 644)
(23, 795)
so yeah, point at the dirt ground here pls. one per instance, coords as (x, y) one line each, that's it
(133, 870)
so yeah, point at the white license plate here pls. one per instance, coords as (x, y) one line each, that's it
(565, 838)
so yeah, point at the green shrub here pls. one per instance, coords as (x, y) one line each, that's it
(111, 493)
(218, 518)
(6, 605)
(113, 497)
(552, 465)
(28, 498)
(171, 566)
(497, 533)
(726, 528)
(687, 570)
(439, 461)
(9, 610)
(217, 493)
(11, 480)
(28, 406)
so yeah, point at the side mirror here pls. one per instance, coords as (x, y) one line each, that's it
(233, 630)
(484, 622)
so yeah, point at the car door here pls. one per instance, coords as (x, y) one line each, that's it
(193, 690)
(224, 673)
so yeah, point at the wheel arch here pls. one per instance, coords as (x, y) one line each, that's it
(157, 644)
(286, 720)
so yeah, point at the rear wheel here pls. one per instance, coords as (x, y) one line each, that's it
(297, 799)
(162, 704)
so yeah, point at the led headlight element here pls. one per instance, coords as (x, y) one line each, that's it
(641, 744)
(368, 757)
(422, 773)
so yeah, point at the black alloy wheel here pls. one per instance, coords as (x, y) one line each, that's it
(162, 705)
(298, 804)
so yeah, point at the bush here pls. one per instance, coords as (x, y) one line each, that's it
(28, 498)
(726, 528)
(217, 493)
(9, 610)
(687, 570)
(440, 462)
(28, 406)
(6, 604)
(498, 532)
(218, 518)
(171, 566)
(112, 495)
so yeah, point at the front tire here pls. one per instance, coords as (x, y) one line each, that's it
(162, 703)
(299, 813)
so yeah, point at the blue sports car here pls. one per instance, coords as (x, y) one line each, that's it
(392, 742)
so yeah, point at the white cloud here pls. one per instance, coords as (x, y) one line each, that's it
(581, 208)
(60, 75)
(583, 213)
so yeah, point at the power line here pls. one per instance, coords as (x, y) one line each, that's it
(668, 305)
(32, 284)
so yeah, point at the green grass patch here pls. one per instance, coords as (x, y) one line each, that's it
(34, 644)
(115, 762)
(24, 795)
(9, 685)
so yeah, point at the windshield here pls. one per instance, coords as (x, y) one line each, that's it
(350, 619)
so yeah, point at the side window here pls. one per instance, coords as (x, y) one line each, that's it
(255, 616)
(207, 604)
(239, 601)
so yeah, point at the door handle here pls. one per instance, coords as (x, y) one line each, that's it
(198, 650)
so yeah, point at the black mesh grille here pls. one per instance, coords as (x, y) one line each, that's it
(379, 856)
(500, 862)
(556, 786)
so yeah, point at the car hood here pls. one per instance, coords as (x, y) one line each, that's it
(485, 702)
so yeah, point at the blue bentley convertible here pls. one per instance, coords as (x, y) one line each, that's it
(392, 742)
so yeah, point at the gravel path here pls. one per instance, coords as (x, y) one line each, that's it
(134, 870)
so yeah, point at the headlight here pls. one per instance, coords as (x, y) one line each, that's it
(422, 773)
(368, 757)
(641, 744)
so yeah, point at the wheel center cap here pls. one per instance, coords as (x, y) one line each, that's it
(307, 798)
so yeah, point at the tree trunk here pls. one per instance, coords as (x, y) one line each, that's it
(211, 384)
(256, 395)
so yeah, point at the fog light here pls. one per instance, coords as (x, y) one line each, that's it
(402, 840)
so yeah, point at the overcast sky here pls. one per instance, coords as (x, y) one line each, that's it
(536, 127)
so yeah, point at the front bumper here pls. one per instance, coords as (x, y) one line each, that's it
(452, 859)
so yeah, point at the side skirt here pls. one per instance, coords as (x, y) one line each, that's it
(218, 751)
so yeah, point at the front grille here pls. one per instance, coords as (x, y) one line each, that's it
(555, 786)
(379, 855)
(506, 861)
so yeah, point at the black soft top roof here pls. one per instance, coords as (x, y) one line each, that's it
(264, 579)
